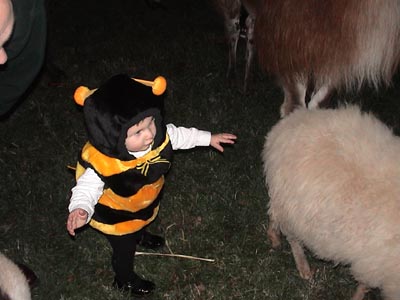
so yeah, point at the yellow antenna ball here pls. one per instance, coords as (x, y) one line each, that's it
(81, 93)
(158, 86)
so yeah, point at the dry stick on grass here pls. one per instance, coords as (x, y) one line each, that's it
(171, 254)
(175, 255)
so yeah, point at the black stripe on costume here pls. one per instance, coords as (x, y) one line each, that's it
(130, 182)
(106, 215)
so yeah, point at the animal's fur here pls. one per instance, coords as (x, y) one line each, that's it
(333, 178)
(13, 283)
(316, 47)
(231, 12)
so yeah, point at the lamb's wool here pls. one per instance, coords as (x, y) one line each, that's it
(333, 178)
(12, 281)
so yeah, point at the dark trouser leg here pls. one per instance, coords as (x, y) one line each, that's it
(124, 248)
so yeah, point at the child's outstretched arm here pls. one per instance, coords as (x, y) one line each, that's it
(76, 219)
(85, 196)
(222, 138)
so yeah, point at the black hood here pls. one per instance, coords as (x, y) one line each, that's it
(114, 107)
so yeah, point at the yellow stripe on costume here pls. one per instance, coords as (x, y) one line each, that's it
(124, 227)
(109, 166)
(142, 199)
(79, 171)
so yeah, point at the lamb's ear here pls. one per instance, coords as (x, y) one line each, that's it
(31, 277)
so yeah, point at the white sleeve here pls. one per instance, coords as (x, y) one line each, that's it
(186, 138)
(86, 193)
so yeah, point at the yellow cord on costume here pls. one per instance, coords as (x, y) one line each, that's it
(144, 167)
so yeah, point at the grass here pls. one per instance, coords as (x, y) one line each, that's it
(214, 206)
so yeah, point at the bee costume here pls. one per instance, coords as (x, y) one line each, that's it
(127, 187)
(130, 199)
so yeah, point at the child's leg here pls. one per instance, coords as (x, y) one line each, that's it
(124, 248)
(150, 241)
(126, 279)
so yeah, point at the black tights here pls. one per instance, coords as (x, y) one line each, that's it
(124, 248)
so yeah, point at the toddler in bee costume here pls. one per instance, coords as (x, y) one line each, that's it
(121, 170)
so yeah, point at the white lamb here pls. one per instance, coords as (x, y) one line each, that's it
(333, 178)
(13, 282)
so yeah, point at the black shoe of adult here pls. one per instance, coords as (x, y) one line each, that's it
(151, 241)
(137, 287)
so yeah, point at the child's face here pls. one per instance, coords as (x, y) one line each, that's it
(141, 135)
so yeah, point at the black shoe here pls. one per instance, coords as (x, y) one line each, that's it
(151, 241)
(137, 287)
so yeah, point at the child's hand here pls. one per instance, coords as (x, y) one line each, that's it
(76, 219)
(225, 138)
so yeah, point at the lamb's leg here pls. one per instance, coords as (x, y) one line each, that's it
(391, 290)
(250, 48)
(360, 292)
(300, 258)
(274, 235)
(294, 96)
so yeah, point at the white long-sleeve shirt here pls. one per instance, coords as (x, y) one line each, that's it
(89, 187)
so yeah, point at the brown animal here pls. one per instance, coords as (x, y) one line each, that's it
(316, 47)
(231, 11)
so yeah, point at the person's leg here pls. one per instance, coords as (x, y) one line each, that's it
(150, 241)
(124, 248)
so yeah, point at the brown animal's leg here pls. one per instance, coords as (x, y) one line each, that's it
(250, 48)
(232, 28)
(294, 96)
(274, 235)
(360, 292)
(300, 258)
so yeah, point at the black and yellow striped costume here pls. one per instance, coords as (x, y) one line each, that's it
(127, 209)
(131, 185)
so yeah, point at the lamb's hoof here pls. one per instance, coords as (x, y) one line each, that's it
(306, 274)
